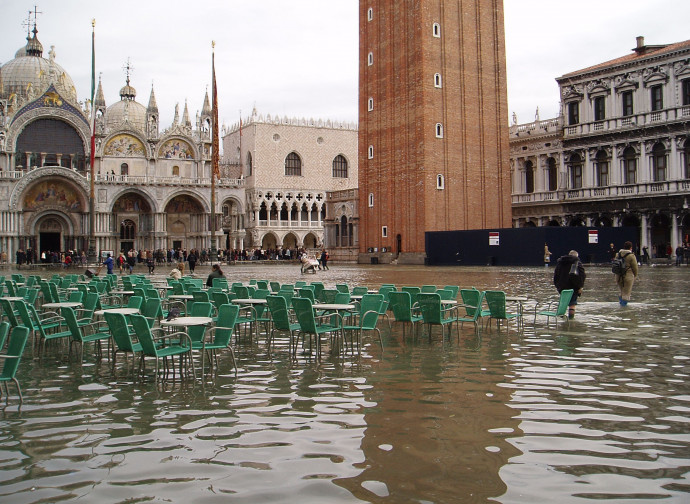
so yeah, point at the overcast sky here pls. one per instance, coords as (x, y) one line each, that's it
(299, 57)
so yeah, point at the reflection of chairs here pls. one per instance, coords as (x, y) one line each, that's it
(496, 300)
(150, 345)
(434, 314)
(401, 305)
(561, 308)
(15, 349)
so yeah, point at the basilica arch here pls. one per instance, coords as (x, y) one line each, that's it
(187, 222)
(133, 223)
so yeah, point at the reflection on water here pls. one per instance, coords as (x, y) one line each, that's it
(599, 409)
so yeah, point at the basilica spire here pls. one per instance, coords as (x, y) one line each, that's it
(99, 102)
(206, 109)
(153, 107)
(185, 116)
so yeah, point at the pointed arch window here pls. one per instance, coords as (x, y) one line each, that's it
(440, 182)
(340, 166)
(370, 59)
(293, 165)
(439, 130)
(249, 164)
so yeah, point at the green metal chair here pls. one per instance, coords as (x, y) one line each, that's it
(122, 335)
(312, 326)
(4, 331)
(433, 312)
(151, 345)
(360, 291)
(428, 289)
(94, 332)
(413, 291)
(280, 315)
(366, 321)
(220, 336)
(496, 301)
(15, 349)
(561, 308)
(342, 288)
(472, 301)
(401, 306)
(197, 333)
(152, 309)
(454, 289)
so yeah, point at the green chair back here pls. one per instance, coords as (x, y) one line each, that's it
(15, 349)
(135, 302)
(428, 289)
(117, 323)
(401, 306)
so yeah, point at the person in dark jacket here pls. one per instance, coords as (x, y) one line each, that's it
(216, 272)
(570, 274)
(191, 259)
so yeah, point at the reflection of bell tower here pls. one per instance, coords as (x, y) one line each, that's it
(152, 116)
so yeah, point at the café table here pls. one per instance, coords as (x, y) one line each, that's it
(124, 311)
(520, 301)
(12, 298)
(62, 304)
(187, 322)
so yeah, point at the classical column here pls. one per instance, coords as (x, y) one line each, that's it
(43, 159)
(674, 231)
(644, 231)
(27, 165)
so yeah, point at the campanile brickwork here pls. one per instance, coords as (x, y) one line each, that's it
(433, 121)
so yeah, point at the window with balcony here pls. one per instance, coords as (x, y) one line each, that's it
(175, 171)
(599, 108)
(529, 177)
(340, 166)
(573, 113)
(629, 166)
(627, 100)
(601, 168)
(124, 169)
(575, 169)
(656, 98)
(659, 163)
(552, 174)
(293, 165)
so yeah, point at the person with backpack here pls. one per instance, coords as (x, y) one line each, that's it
(570, 274)
(625, 269)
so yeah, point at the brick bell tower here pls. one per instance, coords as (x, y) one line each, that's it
(433, 123)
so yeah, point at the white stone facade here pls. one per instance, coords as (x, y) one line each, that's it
(618, 155)
(288, 166)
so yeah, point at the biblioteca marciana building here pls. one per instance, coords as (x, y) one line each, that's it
(153, 185)
(619, 153)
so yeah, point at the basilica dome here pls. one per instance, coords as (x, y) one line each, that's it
(127, 109)
(29, 74)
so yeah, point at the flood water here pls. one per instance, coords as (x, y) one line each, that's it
(595, 410)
